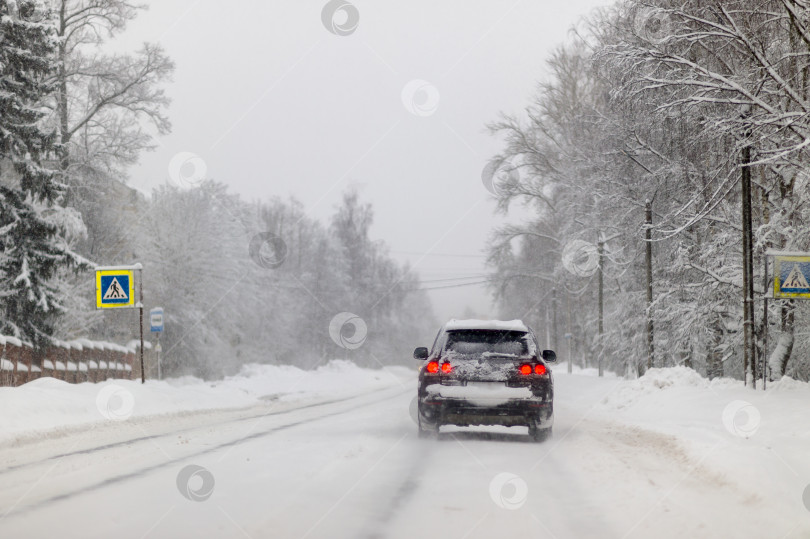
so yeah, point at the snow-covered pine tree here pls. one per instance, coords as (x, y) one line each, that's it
(31, 251)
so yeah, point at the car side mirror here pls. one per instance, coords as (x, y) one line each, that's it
(420, 353)
(550, 356)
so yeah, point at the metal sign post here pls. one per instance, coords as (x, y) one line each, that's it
(765, 326)
(156, 326)
(158, 350)
(140, 309)
(568, 338)
(115, 289)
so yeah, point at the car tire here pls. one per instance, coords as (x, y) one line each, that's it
(427, 429)
(538, 434)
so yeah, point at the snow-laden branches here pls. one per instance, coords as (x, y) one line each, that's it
(656, 103)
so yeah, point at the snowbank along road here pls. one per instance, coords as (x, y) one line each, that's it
(625, 461)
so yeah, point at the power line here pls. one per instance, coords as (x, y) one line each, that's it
(451, 255)
(476, 283)
(456, 285)
(446, 279)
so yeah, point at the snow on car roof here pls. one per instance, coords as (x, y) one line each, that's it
(502, 325)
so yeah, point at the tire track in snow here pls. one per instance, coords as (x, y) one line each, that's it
(403, 494)
(152, 437)
(174, 461)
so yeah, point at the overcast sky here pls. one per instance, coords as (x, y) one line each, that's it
(273, 103)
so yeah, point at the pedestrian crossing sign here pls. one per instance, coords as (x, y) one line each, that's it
(115, 288)
(791, 276)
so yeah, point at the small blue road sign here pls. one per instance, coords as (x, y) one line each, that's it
(156, 319)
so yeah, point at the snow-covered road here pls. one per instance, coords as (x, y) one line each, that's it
(353, 467)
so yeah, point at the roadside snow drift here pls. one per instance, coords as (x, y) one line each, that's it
(47, 403)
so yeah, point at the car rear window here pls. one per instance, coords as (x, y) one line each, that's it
(488, 342)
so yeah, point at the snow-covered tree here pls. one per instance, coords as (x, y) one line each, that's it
(105, 103)
(658, 100)
(107, 110)
(261, 282)
(33, 251)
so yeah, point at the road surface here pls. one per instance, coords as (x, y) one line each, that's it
(354, 467)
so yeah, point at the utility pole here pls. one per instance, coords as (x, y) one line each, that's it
(601, 327)
(766, 218)
(569, 336)
(554, 319)
(648, 263)
(749, 352)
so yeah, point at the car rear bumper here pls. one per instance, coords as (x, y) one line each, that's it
(515, 412)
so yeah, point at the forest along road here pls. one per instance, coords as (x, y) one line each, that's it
(354, 467)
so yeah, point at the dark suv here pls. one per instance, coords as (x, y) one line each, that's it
(485, 372)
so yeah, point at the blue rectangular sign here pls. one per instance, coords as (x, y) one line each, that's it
(156, 319)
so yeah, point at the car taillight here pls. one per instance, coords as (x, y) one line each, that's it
(446, 368)
(539, 369)
(432, 367)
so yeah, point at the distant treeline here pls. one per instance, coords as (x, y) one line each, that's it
(259, 282)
